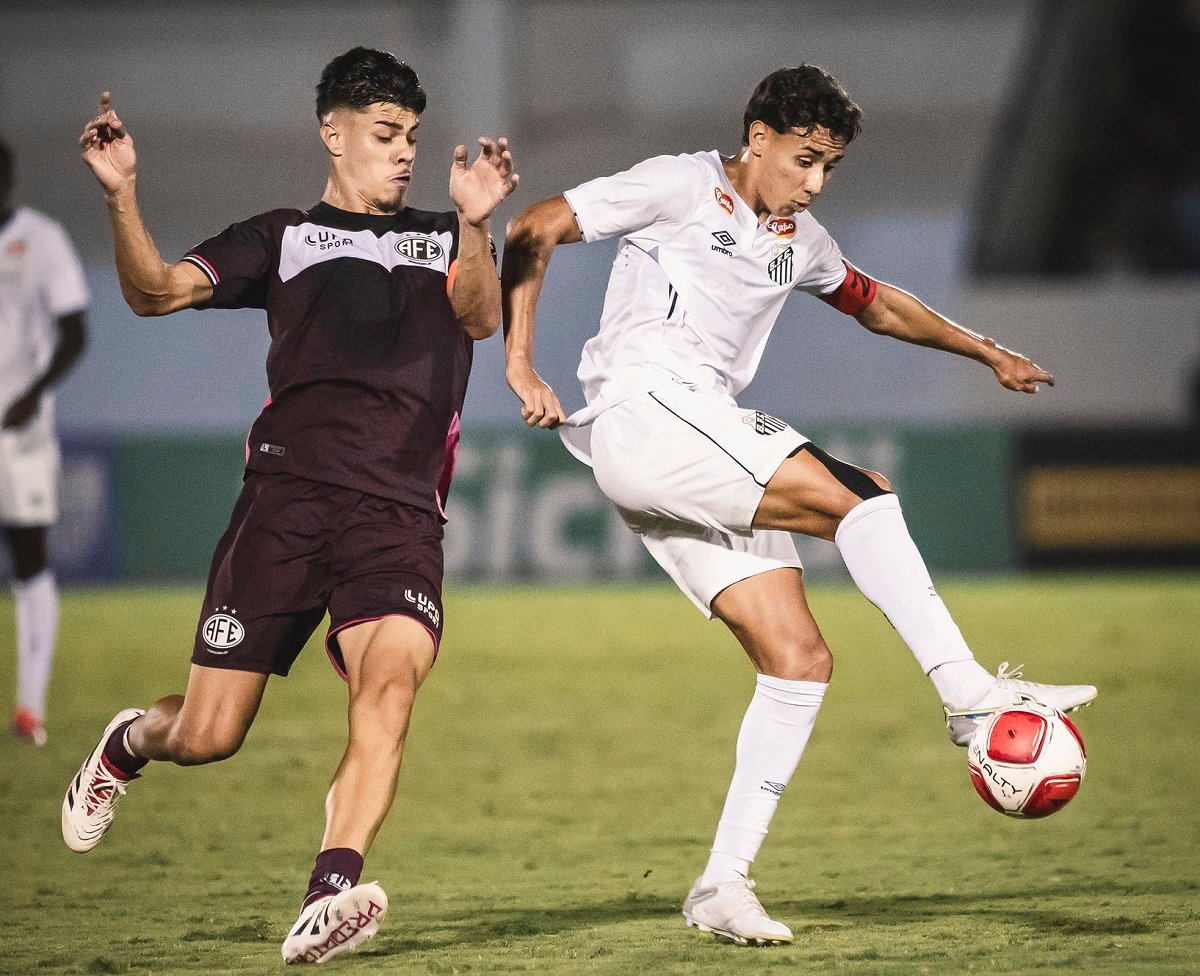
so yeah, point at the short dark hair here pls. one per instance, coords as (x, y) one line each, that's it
(363, 76)
(801, 98)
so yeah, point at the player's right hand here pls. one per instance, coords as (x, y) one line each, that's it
(539, 404)
(108, 149)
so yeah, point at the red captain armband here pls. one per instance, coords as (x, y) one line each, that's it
(855, 293)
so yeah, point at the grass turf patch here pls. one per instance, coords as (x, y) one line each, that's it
(565, 771)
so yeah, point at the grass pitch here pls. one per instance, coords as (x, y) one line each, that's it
(566, 768)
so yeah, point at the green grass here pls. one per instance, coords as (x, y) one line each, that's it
(566, 768)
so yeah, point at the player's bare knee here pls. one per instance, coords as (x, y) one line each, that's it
(203, 747)
(806, 659)
(381, 708)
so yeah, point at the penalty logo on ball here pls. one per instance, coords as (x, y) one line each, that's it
(1027, 760)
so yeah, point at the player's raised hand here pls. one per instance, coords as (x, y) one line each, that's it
(539, 403)
(478, 189)
(1017, 372)
(108, 149)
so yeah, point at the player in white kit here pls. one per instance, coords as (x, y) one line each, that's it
(43, 298)
(710, 249)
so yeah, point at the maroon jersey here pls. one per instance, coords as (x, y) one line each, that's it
(368, 363)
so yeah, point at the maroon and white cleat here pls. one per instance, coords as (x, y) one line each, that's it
(94, 793)
(335, 924)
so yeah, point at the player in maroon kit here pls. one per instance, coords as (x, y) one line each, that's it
(373, 308)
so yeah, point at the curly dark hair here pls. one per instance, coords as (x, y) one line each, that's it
(363, 76)
(801, 98)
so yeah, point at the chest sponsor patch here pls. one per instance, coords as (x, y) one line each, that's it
(306, 245)
(781, 226)
(724, 200)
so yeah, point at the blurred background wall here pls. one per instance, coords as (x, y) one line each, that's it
(970, 111)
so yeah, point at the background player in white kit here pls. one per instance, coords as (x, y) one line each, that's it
(710, 250)
(43, 298)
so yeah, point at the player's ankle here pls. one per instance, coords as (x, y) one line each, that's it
(119, 757)
(722, 868)
(961, 683)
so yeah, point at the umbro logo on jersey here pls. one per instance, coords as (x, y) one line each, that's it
(763, 423)
(419, 248)
(724, 242)
(326, 240)
(782, 268)
(724, 200)
(222, 631)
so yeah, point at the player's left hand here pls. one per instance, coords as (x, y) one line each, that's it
(1017, 372)
(22, 410)
(478, 189)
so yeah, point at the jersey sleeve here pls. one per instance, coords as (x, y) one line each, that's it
(239, 262)
(61, 275)
(651, 191)
(825, 267)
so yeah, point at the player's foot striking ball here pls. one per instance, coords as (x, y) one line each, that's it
(374, 308)
(1008, 689)
(715, 489)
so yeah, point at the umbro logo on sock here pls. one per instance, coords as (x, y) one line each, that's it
(776, 788)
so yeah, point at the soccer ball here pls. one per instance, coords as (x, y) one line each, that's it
(1027, 760)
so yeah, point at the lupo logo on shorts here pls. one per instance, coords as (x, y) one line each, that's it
(222, 631)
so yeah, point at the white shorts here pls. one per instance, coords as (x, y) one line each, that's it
(688, 470)
(29, 463)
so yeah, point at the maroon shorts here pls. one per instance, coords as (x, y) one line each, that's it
(296, 548)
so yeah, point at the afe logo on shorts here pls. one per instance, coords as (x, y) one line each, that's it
(418, 248)
(222, 631)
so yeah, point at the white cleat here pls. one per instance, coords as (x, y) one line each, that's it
(336, 923)
(93, 795)
(731, 911)
(1009, 690)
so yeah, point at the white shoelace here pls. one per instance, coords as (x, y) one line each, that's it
(103, 793)
(1003, 674)
(743, 891)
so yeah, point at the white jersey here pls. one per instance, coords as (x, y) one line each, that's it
(698, 282)
(40, 281)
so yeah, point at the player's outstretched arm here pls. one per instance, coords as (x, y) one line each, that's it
(476, 192)
(528, 246)
(149, 285)
(897, 313)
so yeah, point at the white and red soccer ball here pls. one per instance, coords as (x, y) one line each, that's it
(1027, 760)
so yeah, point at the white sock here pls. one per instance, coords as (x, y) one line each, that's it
(961, 683)
(772, 739)
(886, 566)
(37, 630)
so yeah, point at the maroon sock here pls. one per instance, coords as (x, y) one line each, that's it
(337, 869)
(117, 755)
